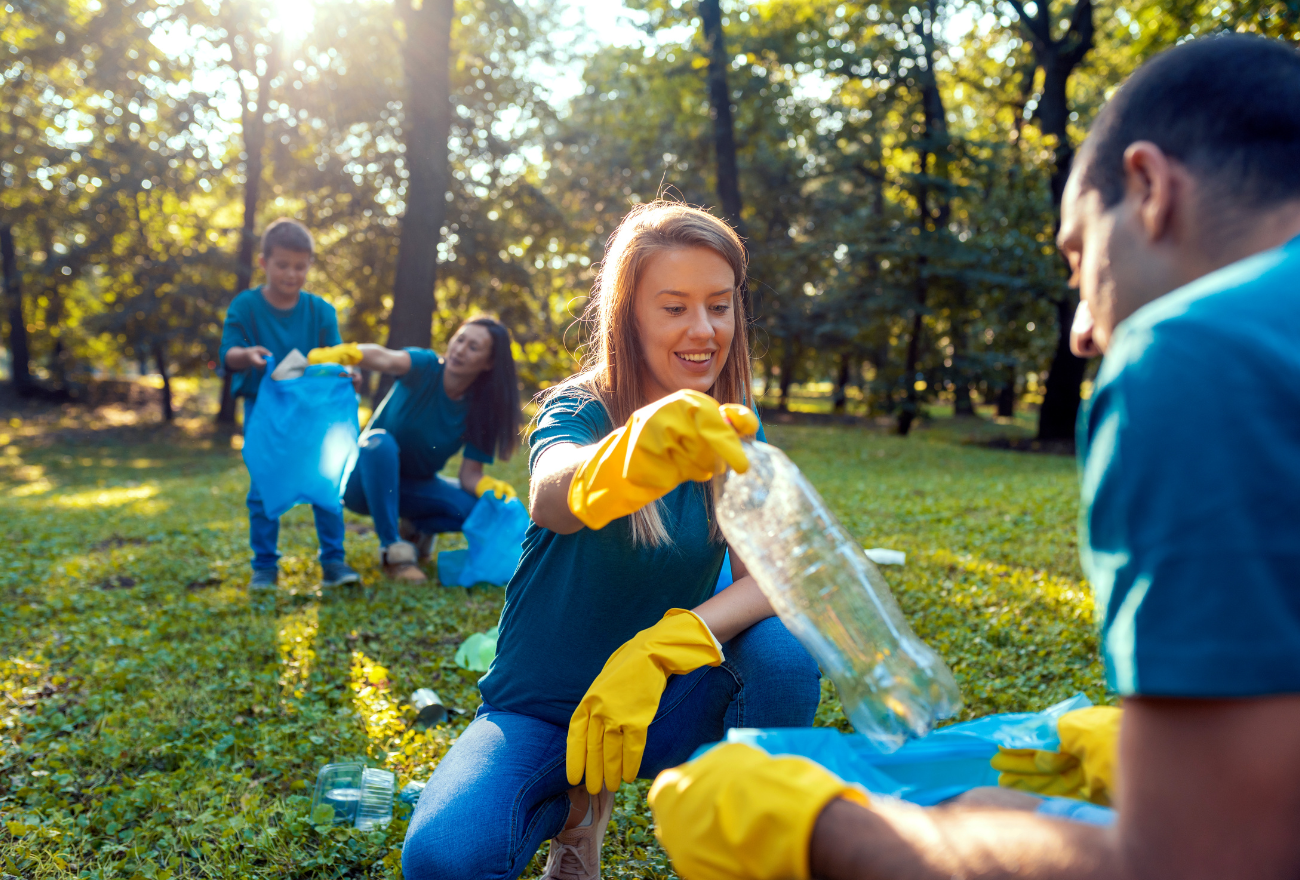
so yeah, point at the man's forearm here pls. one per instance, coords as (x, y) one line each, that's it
(893, 842)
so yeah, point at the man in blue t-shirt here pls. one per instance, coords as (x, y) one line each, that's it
(271, 321)
(1181, 224)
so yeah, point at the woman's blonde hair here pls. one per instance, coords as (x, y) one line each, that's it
(613, 363)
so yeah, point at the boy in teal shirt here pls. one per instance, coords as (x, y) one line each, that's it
(272, 320)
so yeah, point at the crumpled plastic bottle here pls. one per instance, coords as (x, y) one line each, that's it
(833, 599)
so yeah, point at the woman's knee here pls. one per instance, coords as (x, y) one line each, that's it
(377, 442)
(781, 679)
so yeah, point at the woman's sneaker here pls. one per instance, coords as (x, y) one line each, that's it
(575, 854)
(423, 543)
(336, 574)
(398, 560)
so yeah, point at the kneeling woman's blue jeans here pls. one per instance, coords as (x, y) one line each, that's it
(377, 488)
(502, 790)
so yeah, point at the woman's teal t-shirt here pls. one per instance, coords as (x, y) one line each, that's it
(429, 426)
(574, 599)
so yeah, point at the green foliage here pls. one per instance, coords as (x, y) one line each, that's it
(156, 723)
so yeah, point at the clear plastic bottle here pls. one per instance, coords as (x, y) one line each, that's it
(833, 599)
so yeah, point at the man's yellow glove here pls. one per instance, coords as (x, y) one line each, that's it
(499, 488)
(348, 354)
(737, 812)
(1085, 766)
(608, 729)
(684, 436)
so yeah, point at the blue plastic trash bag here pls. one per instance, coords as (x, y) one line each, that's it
(494, 531)
(925, 771)
(301, 441)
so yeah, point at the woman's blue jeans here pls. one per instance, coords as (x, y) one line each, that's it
(502, 789)
(377, 489)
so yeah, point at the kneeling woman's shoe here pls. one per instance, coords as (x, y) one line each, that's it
(423, 543)
(575, 853)
(399, 562)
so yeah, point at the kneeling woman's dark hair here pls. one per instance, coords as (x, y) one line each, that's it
(492, 424)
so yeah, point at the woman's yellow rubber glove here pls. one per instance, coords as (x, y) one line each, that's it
(1084, 768)
(684, 436)
(348, 354)
(499, 488)
(737, 812)
(608, 729)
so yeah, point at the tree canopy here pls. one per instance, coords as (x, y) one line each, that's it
(893, 166)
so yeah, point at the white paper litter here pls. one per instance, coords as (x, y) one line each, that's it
(881, 556)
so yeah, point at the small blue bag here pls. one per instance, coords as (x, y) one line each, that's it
(494, 531)
(925, 771)
(301, 442)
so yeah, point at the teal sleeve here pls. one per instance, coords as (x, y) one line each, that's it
(422, 361)
(473, 453)
(1190, 509)
(236, 331)
(567, 418)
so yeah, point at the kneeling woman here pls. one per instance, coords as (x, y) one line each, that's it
(469, 398)
(602, 674)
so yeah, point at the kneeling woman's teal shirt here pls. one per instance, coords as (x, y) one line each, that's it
(574, 599)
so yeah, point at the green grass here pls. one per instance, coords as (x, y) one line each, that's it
(155, 724)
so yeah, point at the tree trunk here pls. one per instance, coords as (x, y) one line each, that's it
(724, 136)
(1007, 397)
(1060, 410)
(19, 360)
(935, 144)
(840, 402)
(254, 132)
(788, 359)
(426, 56)
(160, 359)
(1059, 57)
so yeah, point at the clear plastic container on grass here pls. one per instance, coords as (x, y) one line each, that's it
(834, 600)
(357, 795)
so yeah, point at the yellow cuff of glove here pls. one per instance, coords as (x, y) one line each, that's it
(348, 354)
(684, 436)
(499, 488)
(737, 812)
(607, 731)
(1085, 766)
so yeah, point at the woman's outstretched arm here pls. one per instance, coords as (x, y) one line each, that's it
(548, 499)
(394, 362)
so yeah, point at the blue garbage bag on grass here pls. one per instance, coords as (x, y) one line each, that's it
(925, 771)
(494, 531)
(301, 441)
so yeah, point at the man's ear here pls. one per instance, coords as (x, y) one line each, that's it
(1149, 181)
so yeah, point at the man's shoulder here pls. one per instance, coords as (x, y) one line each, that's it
(1250, 295)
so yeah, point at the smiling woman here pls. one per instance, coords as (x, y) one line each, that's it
(601, 673)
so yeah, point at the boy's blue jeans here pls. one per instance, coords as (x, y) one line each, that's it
(377, 489)
(264, 532)
(502, 789)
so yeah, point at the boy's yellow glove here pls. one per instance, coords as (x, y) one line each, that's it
(499, 488)
(737, 812)
(608, 729)
(684, 436)
(348, 354)
(1085, 766)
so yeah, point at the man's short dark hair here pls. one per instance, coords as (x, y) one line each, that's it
(1226, 106)
(288, 234)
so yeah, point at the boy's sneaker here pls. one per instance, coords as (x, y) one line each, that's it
(264, 579)
(399, 562)
(575, 854)
(336, 574)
